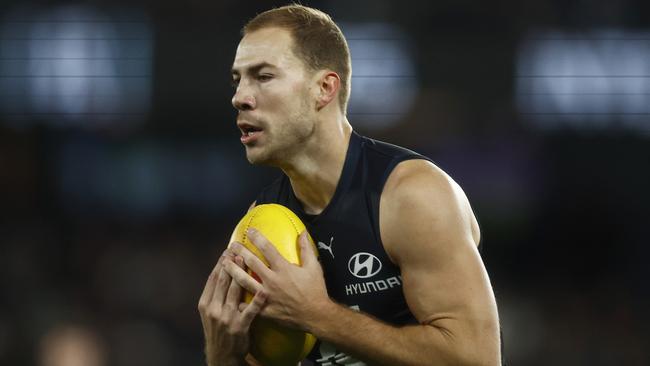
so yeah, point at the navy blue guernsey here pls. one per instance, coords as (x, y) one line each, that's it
(358, 272)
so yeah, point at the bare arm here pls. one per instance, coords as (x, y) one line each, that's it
(429, 230)
(433, 238)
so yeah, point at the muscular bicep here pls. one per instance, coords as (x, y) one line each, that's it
(428, 229)
(447, 288)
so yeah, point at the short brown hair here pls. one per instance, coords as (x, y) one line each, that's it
(318, 41)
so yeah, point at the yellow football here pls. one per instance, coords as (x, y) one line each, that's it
(271, 343)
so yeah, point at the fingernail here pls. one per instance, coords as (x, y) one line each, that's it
(251, 231)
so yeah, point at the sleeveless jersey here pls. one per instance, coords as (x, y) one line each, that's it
(358, 272)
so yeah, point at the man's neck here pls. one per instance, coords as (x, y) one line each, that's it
(316, 173)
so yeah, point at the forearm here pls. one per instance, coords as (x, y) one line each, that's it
(377, 343)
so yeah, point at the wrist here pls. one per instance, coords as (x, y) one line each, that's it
(319, 314)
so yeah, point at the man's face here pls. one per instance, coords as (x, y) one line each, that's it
(275, 111)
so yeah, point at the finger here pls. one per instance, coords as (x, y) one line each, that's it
(208, 290)
(239, 260)
(252, 261)
(233, 297)
(307, 253)
(271, 254)
(253, 309)
(242, 277)
(221, 287)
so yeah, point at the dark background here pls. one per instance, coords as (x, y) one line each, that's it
(111, 221)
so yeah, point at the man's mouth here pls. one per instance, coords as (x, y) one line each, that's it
(249, 132)
(247, 129)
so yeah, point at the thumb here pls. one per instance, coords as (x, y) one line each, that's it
(307, 255)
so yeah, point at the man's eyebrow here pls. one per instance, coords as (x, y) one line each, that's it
(254, 68)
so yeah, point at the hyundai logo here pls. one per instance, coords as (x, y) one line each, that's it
(364, 265)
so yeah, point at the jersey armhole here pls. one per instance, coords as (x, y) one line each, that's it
(376, 199)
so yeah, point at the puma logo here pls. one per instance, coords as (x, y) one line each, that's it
(324, 246)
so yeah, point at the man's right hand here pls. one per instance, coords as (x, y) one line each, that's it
(225, 327)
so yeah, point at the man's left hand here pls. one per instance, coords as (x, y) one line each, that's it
(295, 294)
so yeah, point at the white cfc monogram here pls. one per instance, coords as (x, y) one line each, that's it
(330, 356)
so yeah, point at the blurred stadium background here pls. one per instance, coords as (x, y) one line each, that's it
(121, 173)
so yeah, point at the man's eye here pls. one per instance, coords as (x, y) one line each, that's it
(234, 83)
(264, 77)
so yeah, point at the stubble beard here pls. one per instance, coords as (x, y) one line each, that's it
(286, 140)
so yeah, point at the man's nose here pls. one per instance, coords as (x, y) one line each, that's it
(243, 100)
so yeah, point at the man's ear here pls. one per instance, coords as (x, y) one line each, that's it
(329, 84)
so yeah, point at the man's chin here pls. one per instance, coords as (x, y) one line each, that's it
(265, 160)
(255, 158)
(256, 161)
(264, 155)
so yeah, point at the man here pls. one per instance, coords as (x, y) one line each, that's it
(400, 280)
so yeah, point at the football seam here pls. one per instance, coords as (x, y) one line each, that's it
(291, 220)
(248, 224)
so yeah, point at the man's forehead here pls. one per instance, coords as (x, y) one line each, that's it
(270, 45)
(271, 35)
